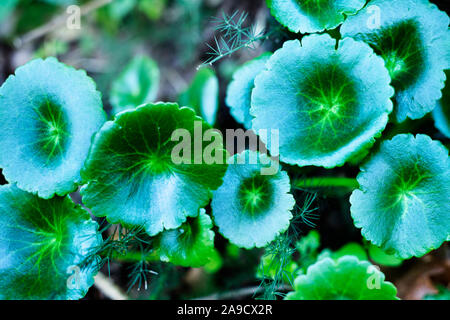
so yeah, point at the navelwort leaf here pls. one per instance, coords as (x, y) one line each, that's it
(191, 245)
(48, 114)
(137, 84)
(239, 91)
(44, 245)
(412, 38)
(203, 95)
(402, 204)
(328, 104)
(132, 178)
(251, 209)
(344, 279)
(441, 113)
(309, 16)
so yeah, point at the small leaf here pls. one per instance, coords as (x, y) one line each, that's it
(137, 84)
(251, 209)
(191, 245)
(307, 16)
(328, 105)
(44, 247)
(48, 115)
(412, 38)
(402, 204)
(132, 177)
(344, 279)
(441, 113)
(203, 95)
(239, 91)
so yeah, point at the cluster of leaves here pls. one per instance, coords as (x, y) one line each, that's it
(329, 98)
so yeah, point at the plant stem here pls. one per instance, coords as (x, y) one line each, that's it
(326, 182)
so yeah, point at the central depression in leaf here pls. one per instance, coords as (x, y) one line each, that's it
(255, 194)
(328, 104)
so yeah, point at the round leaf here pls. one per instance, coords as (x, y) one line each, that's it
(402, 205)
(239, 91)
(382, 258)
(137, 84)
(327, 104)
(133, 178)
(48, 115)
(191, 245)
(249, 208)
(44, 247)
(203, 95)
(411, 36)
(344, 279)
(307, 16)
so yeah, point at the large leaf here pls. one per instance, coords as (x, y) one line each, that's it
(133, 178)
(328, 104)
(308, 16)
(344, 279)
(402, 204)
(202, 95)
(47, 247)
(239, 90)
(48, 115)
(412, 39)
(137, 84)
(249, 208)
(191, 245)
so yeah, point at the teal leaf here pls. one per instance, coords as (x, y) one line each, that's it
(7, 8)
(202, 95)
(48, 115)
(402, 204)
(307, 16)
(239, 90)
(441, 113)
(412, 38)
(136, 85)
(382, 258)
(328, 104)
(249, 208)
(47, 247)
(344, 279)
(191, 245)
(132, 178)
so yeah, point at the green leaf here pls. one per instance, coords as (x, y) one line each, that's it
(239, 91)
(136, 85)
(48, 115)
(191, 245)
(44, 247)
(249, 208)
(381, 257)
(307, 16)
(328, 104)
(443, 294)
(344, 279)
(441, 113)
(203, 95)
(402, 205)
(412, 38)
(133, 178)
